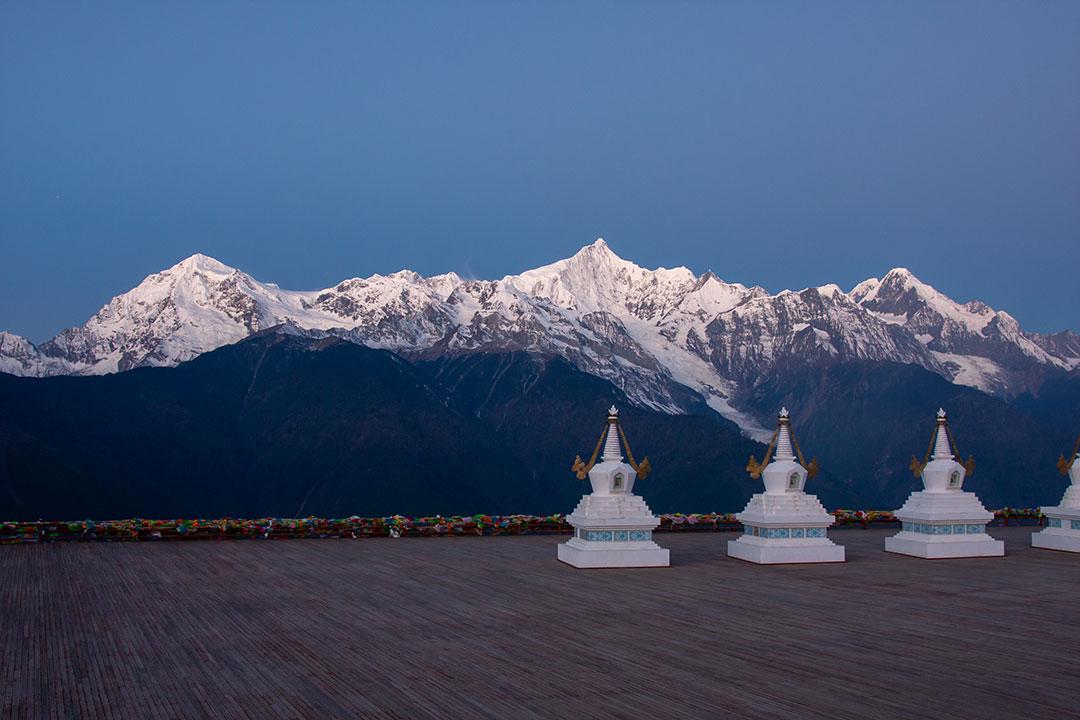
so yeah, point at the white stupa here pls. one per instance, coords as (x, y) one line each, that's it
(612, 526)
(1062, 531)
(784, 524)
(941, 520)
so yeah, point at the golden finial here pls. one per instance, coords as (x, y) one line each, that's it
(969, 465)
(754, 467)
(580, 468)
(1063, 464)
(916, 467)
(644, 467)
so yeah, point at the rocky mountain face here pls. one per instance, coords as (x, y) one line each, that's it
(669, 339)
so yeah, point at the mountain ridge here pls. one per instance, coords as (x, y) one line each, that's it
(660, 335)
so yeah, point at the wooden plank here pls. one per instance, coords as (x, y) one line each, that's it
(490, 627)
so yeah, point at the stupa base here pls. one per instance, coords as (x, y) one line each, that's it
(644, 555)
(1062, 531)
(769, 554)
(1056, 541)
(905, 543)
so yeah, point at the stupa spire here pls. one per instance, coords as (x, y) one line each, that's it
(1066, 464)
(611, 443)
(784, 449)
(612, 447)
(942, 451)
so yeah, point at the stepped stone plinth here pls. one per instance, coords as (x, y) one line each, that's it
(942, 520)
(1062, 531)
(612, 526)
(784, 524)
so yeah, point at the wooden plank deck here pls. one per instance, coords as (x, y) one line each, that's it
(496, 627)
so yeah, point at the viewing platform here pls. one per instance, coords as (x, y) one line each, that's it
(495, 627)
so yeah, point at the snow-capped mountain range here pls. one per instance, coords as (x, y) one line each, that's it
(664, 336)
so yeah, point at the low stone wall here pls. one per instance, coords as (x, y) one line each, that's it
(138, 529)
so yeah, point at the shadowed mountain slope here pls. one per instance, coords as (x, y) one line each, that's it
(285, 424)
(865, 420)
(274, 425)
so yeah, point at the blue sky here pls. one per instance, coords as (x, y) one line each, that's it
(780, 144)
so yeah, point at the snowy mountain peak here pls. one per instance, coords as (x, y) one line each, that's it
(596, 279)
(709, 296)
(16, 352)
(8, 340)
(597, 254)
(901, 279)
(974, 344)
(902, 273)
(901, 297)
(199, 263)
(14, 346)
(600, 258)
(860, 291)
